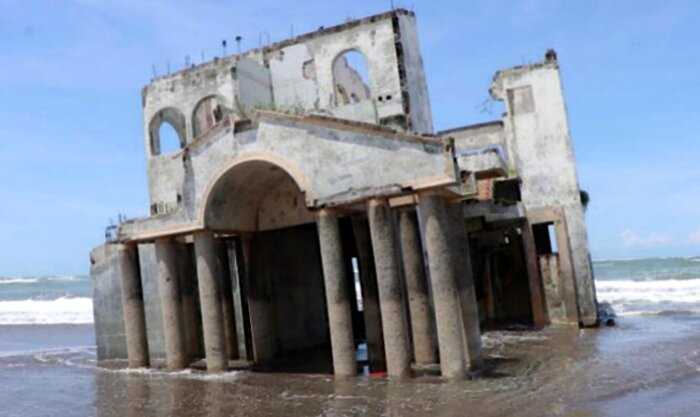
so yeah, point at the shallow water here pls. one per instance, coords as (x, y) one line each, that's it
(645, 366)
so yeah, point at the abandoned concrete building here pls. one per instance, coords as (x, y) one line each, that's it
(310, 219)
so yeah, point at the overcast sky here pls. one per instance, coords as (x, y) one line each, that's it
(71, 138)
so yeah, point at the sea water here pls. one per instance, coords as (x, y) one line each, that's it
(650, 286)
(48, 363)
(632, 287)
(45, 300)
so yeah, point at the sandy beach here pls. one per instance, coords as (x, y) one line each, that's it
(646, 365)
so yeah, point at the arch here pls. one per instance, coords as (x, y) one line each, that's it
(207, 113)
(176, 120)
(351, 80)
(242, 195)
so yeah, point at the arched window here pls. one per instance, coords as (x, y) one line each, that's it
(167, 131)
(350, 78)
(209, 112)
(169, 138)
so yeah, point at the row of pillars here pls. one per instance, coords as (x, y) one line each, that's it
(218, 342)
(456, 314)
(446, 249)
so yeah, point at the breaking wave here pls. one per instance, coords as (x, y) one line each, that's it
(630, 297)
(63, 310)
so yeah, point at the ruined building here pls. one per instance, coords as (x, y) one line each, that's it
(308, 219)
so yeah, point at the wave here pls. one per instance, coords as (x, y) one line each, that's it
(39, 280)
(62, 310)
(629, 297)
(4, 281)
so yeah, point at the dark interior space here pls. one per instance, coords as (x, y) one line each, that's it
(500, 277)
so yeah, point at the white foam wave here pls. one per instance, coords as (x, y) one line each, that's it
(62, 310)
(630, 297)
(4, 281)
(36, 280)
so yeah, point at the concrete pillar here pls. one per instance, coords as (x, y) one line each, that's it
(227, 302)
(539, 313)
(240, 305)
(209, 276)
(567, 273)
(443, 277)
(370, 295)
(132, 304)
(171, 307)
(337, 295)
(391, 298)
(188, 292)
(424, 348)
(471, 332)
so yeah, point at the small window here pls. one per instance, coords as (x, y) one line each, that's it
(351, 78)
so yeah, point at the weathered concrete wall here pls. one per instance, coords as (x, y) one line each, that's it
(540, 148)
(296, 285)
(475, 137)
(414, 84)
(295, 75)
(105, 273)
(341, 168)
(253, 86)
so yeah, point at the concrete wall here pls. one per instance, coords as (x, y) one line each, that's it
(105, 273)
(289, 260)
(332, 162)
(253, 86)
(414, 84)
(540, 148)
(295, 75)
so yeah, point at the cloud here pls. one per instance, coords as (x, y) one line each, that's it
(694, 238)
(632, 239)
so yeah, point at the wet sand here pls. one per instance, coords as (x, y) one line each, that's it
(646, 366)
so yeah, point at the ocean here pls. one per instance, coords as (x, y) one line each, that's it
(648, 364)
(632, 287)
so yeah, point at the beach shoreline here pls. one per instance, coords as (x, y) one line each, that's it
(646, 365)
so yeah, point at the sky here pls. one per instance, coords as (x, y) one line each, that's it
(71, 136)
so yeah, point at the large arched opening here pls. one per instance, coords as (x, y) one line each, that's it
(258, 211)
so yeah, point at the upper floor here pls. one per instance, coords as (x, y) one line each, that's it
(368, 70)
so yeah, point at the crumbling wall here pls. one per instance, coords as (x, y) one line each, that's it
(540, 148)
(414, 86)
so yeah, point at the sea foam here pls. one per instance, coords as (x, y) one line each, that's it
(62, 310)
(629, 297)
